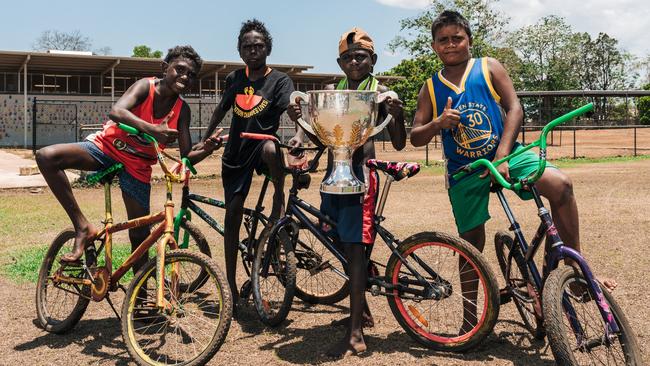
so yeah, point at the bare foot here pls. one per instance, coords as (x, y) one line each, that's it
(368, 322)
(349, 346)
(83, 237)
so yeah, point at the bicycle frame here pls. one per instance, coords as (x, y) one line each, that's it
(164, 232)
(188, 205)
(555, 251)
(299, 208)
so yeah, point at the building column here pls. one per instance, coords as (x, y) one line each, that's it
(23, 68)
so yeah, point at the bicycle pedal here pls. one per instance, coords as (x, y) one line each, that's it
(504, 296)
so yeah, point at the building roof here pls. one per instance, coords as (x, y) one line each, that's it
(54, 63)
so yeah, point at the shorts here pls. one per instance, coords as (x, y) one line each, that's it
(237, 179)
(352, 213)
(471, 195)
(132, 187)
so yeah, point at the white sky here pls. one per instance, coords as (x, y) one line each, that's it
(626, 20)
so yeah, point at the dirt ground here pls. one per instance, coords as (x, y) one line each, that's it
(613, 199)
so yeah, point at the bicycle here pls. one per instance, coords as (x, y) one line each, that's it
(422, 278)
(253, 219)
(566, 293)
(167, 317)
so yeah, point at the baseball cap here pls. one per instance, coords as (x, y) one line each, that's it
(356, 38)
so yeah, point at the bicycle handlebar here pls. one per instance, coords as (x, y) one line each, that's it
(185, 163)
(541, 142)
(312, 164)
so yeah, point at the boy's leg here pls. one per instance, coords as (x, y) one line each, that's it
(353, 342)
(275, 165)
(558, 189)
(469, 279)
(135, 209)
(52, 162)
(232, 223)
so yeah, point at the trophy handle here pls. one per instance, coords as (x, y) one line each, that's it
(380, 99)
(304, 96)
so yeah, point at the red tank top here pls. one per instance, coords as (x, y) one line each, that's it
(136, 154)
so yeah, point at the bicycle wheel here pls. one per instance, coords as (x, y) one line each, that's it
(318, 271)
(197, 243)
(523, 290)
(192, 329)
(443, 315)
(568, 302)
(59, 305)
(273, 292)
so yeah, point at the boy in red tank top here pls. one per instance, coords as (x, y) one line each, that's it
(151, 105)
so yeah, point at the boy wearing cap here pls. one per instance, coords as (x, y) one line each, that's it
(354, 213)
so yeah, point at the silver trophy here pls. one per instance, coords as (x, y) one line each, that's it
(342, 120)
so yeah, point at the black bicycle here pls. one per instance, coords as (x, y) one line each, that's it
(429, 280)
(271, 312)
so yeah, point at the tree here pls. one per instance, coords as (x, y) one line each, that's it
(487, 27)
(104, 51)
(486, 23)
(643, 106)
(62, 41)
(145, 51)
(415, 73)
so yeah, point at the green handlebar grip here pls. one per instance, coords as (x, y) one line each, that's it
(128, 128)
(189, 165)
(135, 131)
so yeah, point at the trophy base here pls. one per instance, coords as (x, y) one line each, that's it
(342, 180)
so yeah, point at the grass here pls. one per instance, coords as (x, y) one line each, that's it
(25, 263)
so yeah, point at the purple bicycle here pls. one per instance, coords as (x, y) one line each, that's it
(583, 322)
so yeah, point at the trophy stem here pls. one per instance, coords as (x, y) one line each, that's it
(342, 179)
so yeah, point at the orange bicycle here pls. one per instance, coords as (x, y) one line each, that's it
(178, 308)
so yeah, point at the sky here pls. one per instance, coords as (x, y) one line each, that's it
(304, 32)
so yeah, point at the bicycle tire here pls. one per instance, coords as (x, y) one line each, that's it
(67, 319)
(197, 243)
(273, 310)
(316, 280)
(212, 303)
(522, 282)
(562, 339)
(413, 320)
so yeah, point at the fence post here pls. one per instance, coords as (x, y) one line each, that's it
(200, 121)
(426, 159)
(34, 127)
(574, 142)
(634, 141)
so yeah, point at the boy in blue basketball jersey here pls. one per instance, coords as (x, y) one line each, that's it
(463, 102)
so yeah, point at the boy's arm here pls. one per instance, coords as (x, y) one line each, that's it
(121, 113)
(424, 125)
(185, 138)
(514, 113)
(217, 117)
(395, 127)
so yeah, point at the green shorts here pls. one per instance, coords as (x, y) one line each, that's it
(470, 197)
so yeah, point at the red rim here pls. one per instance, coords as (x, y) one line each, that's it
(416, 327)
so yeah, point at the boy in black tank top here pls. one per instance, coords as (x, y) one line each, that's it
(258, 96)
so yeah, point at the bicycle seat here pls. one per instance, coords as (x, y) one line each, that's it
(106, 175)
(396, 170)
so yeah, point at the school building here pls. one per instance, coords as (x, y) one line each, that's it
(66, 95)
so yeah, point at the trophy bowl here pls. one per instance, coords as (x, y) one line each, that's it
(342, 120)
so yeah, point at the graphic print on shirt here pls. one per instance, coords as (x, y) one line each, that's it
(474, 136)
(248, 104)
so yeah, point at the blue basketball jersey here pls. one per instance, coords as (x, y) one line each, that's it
(479, 131)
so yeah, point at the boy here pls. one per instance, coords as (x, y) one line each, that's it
(463, 102)
(151, 105)
(258, 95)
(357, 59)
